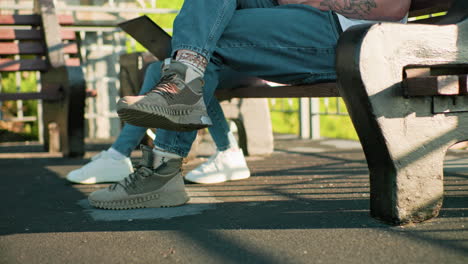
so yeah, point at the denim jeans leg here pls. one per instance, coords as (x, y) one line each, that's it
(299, 51)
(200, 24)
(298, 48)
(220, 128)
(181, 142)
(130, 136)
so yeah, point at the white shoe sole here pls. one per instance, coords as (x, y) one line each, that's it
(218, 178)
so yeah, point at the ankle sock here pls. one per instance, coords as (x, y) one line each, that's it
(195, 61)
(115, 154)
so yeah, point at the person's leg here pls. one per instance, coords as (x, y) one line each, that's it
(200, 24)
(258, 41)
(298, 48)
(180, 143)
(130, 136)
(301, 50)
(228, 163)
(158, 180)
(114, 164)
(177, 102)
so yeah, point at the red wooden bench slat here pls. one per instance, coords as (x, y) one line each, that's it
(20, 34)
(10, 48)
(11, 65)
(32, 34)
(73, 62)
(25, 20)
(68, 34)
(32, 20)
(65, 20)
(70, 48)
(32, 48)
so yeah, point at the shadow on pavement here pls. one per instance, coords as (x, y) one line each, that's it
(288, 191)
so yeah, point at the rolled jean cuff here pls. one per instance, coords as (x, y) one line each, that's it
(223, 147)
(205, 53)
(172, 149)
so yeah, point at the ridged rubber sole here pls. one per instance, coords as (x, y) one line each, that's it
(150, 200)
(152, 120)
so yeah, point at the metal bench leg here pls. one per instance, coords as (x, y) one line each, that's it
(404, 142)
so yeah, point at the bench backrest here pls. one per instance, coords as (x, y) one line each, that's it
(27, 43)
(39, 42)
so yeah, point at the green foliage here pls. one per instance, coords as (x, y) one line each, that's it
(10, 108)
(165, 21)
(285, 118)
(284, 115)
(336, 126)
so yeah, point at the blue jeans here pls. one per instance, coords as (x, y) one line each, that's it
(130, 136)
(290, 44)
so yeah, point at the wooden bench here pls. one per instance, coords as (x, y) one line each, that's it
(37, 42)
(405, 90)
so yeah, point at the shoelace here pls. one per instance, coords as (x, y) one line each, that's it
(130, 180)
(166, 86)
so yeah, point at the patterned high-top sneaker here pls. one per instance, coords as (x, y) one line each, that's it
(175, 103)
(157, 182)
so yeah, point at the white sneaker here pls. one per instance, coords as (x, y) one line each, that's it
(102, 168)
(228, 165)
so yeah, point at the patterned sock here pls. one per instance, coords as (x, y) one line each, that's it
(193, 60)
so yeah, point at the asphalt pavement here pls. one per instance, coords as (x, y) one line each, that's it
(308, 202)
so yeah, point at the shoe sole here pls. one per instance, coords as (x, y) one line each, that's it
(151, 200)
(239, 176)
(95, 181)
(152, 120)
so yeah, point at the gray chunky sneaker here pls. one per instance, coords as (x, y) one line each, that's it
(156, 183)
(174, 103)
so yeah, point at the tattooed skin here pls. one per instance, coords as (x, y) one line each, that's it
(359, 8)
